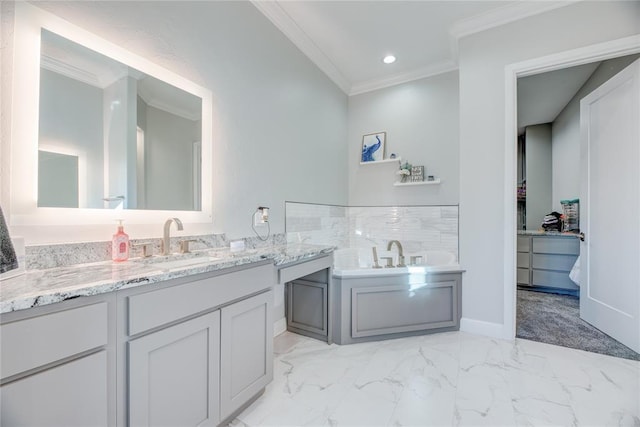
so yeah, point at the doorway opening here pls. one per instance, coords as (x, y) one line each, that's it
(527, 270)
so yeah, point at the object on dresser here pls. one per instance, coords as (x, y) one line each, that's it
(417, 173)
(571, 214)
(552, 222)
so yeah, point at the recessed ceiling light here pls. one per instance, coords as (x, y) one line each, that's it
(389, 59)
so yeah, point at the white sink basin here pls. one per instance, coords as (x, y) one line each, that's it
(172, 262)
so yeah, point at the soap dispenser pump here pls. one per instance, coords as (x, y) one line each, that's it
(120, 244)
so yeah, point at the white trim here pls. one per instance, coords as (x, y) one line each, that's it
(593, 53)
(279, 326)
(281, 19)
(479, 327)
(462, 28)
(396, 79)
(503, 15)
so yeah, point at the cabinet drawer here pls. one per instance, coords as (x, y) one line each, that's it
(74, 394)
(523, 276)
(523, 244)
(553, 279)
(51, 337)
(159, 307)
(556, 245)
(554, 262)
(523, 260)
(287, 274)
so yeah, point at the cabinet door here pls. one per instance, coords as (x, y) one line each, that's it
(174, 375)
(307, 306)
(72, 394)
(246, 357)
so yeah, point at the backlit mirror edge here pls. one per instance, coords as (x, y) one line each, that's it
(29, 21)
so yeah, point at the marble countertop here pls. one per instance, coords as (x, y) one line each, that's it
(545, 233)
(41, 287)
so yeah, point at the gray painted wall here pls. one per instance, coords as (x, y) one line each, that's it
(538, 159)
(482, 60)
(566, 133)
(168, 151)
(71, 118)
(279, 124)
(421, 120)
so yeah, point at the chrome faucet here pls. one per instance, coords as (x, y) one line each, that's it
(400, 253)
(166, 242)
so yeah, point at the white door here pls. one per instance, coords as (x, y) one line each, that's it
(610, 207)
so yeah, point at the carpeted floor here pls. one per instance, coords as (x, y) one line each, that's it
(555, 319)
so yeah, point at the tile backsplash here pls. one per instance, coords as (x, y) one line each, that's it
(66, 254)
(419, 228)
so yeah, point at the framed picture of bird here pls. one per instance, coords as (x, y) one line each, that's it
(373, 147)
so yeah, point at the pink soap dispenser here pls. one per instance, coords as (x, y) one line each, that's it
(120, 244)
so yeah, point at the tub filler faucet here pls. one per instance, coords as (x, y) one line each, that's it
(400, 253)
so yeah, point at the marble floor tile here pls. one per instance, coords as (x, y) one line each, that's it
(448, 379)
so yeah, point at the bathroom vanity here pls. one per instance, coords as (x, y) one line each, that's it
(141, 346)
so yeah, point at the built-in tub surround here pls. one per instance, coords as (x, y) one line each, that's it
(418, 228)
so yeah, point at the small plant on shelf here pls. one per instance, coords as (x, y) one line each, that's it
(404, 172)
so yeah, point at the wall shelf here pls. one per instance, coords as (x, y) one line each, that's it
(403, 184)
(397, 159)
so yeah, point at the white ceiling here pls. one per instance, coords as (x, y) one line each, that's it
(348, 39)
(542, 97)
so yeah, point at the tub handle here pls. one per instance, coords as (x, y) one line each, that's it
(389, 261)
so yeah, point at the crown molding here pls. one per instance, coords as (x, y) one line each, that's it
(276, 14)
(100, 80)
(396, 79)
(153, 101)
(465, 27)
(504, 15)
(53, 64)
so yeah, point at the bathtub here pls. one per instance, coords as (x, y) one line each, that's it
(369, 304)
(356, 263)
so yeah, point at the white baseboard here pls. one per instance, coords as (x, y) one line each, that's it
(279, 326)
(480, 327)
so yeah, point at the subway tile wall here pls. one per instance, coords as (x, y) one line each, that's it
(418, 228)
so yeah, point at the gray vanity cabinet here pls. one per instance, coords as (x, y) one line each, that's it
(174, 374)
(197, 348)
(58, 365)
(246, 357)
(307, 305)
(308, 286)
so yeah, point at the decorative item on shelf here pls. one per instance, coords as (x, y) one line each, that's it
(417, 173)
(373, 147)
(392, 156)
(404, 172)
(431, 178)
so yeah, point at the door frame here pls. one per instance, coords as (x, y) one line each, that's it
(597, 52)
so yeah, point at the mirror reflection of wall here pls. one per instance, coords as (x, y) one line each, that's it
(58, 185)
(138, 132)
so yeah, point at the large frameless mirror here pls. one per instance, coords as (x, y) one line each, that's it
(110, 135)
(103, 130)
